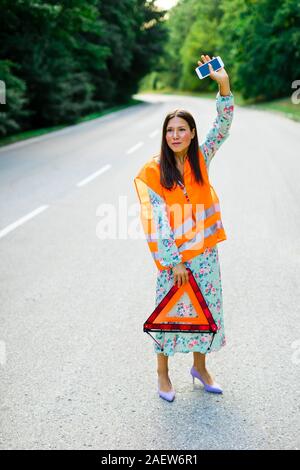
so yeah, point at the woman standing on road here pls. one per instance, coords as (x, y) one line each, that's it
(180, 174)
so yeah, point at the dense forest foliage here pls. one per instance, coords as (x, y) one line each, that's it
(61, 60)
(258, 40)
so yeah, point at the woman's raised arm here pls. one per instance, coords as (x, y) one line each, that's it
(225, 106)
(219, 131)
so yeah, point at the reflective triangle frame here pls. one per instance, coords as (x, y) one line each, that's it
(202, 323)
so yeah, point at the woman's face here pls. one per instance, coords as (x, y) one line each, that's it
(179, 135)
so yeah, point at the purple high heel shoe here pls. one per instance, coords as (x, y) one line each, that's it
(215, 388)
(169, 396)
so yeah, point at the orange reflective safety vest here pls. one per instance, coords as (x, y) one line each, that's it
(193, 211)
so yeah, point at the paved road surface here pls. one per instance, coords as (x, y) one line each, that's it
(76, 369)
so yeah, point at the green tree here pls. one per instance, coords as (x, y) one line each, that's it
(75, 57)
(202, 38)
(135, 33)
(44, 40)
(192, 30)
(265, 46)
(181, 19)
(12, 115)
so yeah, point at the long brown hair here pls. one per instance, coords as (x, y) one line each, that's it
(169, 173)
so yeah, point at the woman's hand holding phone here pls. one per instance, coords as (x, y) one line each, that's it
(220, 75)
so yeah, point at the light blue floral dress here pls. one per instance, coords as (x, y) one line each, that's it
(205, 267)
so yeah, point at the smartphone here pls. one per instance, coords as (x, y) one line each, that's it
(203, 71)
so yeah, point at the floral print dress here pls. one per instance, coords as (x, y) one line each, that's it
(205, 267)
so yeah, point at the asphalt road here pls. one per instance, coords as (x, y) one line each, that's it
(76, 369)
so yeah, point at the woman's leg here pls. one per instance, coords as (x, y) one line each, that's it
(200, 366)
(163, 373)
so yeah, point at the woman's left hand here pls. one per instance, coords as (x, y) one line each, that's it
(220, 76)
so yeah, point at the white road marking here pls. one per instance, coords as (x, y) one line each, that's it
(94, 175)
(135, 147)
(22, 220)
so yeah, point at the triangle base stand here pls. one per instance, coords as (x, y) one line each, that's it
(162, 348)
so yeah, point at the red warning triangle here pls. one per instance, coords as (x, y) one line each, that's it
(169, 315)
